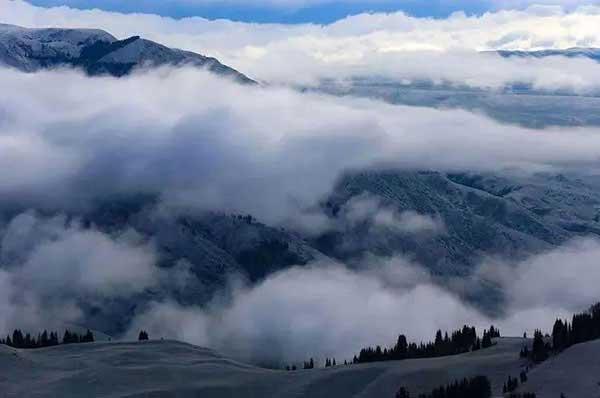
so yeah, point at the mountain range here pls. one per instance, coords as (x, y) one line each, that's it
(479, 215)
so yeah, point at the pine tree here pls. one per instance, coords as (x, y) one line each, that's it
(402, 393)
(523, 377)
(539, 351)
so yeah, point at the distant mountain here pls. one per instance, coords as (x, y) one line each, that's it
(96, 52)
(503, 215)
(574, 52)
(484, 214)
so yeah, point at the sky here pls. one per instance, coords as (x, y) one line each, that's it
(301, 11)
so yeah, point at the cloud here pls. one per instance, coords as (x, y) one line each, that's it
(53, 266)
(205, 143)
(326, 309)
(323, 309)
(564, 279)
(368, 209)
(391, 45)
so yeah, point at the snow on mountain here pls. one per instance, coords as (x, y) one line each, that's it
(95, 51)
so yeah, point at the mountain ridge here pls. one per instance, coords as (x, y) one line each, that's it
(96, 52)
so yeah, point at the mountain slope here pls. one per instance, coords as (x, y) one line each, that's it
(575, 373)
(96, 52)
(172, 369)
(483, 214)
(504, 215)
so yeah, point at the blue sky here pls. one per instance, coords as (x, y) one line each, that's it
(282, 11)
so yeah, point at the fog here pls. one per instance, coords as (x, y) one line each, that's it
(52, 266)
(327, 310)
(322, 309)
(205, 143)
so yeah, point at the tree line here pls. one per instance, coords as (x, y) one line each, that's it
(583, 327)
(458, 342)
(475, 387)
(18, 339)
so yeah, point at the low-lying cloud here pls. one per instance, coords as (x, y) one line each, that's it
(368, 209)
(206, 143)
(329, 310)
(50, 267)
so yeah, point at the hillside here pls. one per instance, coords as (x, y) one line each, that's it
(168, 368)
(499, 214)
(575, 372)
(96, 52)
(481, 215)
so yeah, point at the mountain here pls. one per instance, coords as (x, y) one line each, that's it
(502, 214)
(574, 52)
(96, 52)
(172, 369)
(505, 215)
(517, 103)
(200, 253)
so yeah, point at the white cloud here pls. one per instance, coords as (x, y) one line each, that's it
(558, 282)
(393, 45)
(206, 143)
(368, 209)
(327, 310)
(52, 266)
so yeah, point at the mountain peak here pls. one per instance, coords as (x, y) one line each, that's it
(96, 52)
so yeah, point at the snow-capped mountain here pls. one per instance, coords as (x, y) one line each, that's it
(574, 52)
(95, 51)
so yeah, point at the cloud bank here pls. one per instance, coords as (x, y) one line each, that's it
(205, 143)
(53, 266)
(391, 45)
(328, 310)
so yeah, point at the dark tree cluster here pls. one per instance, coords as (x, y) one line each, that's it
(523, 376)
(540, 350)
(511, 385)
(329, 362)
(73, 338)
(583, 327)
(143, 336)
(310, 364)
(476, 387)
(524, 352)
(522, 395)
(44, 339)
(459, 342)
